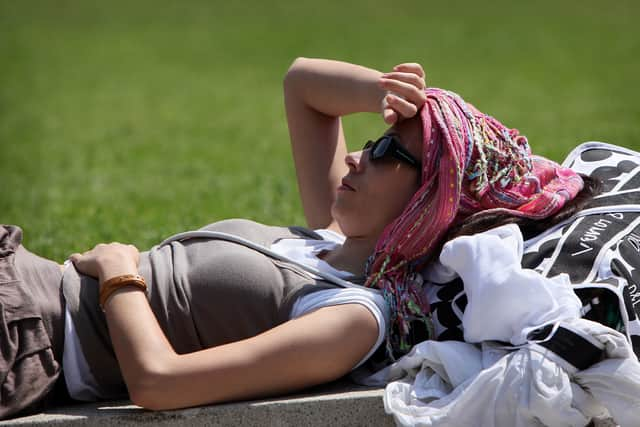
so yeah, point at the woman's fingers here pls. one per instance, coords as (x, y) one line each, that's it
(410, 78)
(410, 67)
(401, 106)
(106, 258)
(389, 116)
(405, 90)
(105, 249)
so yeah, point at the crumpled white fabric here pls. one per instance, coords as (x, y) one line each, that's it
(483, 384)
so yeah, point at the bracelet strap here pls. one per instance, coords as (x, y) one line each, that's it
(108, 287)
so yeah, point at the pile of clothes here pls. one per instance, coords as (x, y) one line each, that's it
(534, 351)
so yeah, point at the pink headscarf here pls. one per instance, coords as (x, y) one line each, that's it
(470, 163)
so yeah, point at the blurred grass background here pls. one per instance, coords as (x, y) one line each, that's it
(132, 120)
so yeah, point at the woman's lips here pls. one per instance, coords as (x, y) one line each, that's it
(345, 186)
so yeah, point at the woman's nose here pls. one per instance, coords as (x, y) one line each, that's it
(354, 160)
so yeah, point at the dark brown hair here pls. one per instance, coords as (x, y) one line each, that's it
(483, 221)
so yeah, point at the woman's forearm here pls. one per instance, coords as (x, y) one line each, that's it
(334, 88)
(142, 349)
(144, 353)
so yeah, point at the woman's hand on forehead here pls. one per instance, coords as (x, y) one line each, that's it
(405, 92)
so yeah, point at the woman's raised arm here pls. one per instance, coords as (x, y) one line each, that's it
(317, 93)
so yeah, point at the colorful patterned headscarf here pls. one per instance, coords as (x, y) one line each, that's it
(471, 163)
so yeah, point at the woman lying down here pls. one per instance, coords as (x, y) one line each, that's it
(410, 271)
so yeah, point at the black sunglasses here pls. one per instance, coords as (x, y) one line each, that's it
(388, 145)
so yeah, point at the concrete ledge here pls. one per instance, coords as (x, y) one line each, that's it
(336, 404)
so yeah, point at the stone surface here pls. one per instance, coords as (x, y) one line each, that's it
(336, 404)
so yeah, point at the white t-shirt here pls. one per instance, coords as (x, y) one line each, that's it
(306, 252)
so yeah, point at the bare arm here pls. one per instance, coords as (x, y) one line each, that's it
(316, 348)
(317, 93)
(313, 349)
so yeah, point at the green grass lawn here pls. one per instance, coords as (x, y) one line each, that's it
(132, 120)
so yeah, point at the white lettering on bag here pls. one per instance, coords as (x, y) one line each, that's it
(634, 240)
(586, 249)
(594, 232)
(634, 293)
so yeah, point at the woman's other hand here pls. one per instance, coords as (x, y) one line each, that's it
(107, 260)
(405, 92)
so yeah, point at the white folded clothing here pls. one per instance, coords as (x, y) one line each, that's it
(519, 366)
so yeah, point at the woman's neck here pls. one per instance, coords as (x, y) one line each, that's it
(351, 256)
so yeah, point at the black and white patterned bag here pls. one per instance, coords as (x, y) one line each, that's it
(599, 248)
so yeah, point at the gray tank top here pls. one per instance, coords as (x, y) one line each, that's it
(204, 293)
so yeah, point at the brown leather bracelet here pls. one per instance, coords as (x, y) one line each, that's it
(108, 287)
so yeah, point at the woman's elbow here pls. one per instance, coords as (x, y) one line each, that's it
(145, 399)
(296, 66)
(295, 71)
(149, 389)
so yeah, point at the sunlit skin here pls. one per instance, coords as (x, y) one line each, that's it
(344, 192)
(372, 195)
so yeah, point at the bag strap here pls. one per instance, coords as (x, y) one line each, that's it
(574, 347)
(207, 234)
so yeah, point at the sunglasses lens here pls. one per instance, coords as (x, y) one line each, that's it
(380, 148)
(388, 147)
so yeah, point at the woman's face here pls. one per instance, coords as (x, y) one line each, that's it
(375, 192)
